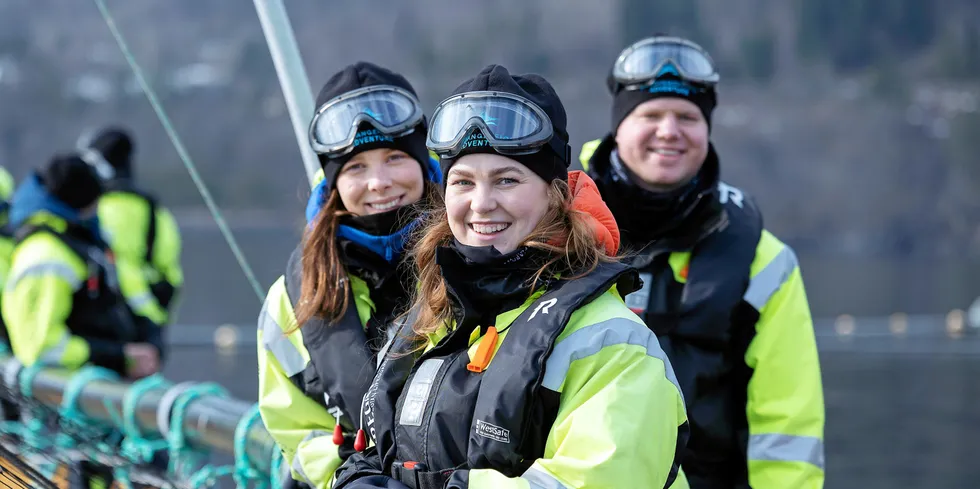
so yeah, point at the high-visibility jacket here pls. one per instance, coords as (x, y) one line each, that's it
(146, 238)
(314, 377)
(573, 392)
(63, 299)
(732, 315)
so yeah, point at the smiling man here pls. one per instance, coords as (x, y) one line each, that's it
(723, 294)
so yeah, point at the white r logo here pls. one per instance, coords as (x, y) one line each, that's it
(727, 192)
(543, 307)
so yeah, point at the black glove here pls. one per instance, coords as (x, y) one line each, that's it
(164, 293)
(359, 465)
(375, 482)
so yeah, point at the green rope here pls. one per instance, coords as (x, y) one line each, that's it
(208, 476)
(184, 156)
(135, 446)
(245, 470)
(72, 418)
(176, 438)
(139, 449)
(73, 390)
(135, 443)
(34, 426)
(275, 479)
(26, 379)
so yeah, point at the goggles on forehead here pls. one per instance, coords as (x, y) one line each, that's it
(644, 61)
(392, 110)
(94, 158)
(510, 124)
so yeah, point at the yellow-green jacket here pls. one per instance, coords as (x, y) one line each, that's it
(312, 376)
(733, 316)
(573, 392)
(146, 239)
(64, 300)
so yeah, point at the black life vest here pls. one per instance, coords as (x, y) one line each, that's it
(705, 327)
(342, 363)
(99, 309)
(497, 419)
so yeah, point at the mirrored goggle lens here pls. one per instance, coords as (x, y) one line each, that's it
(506, 119)
(102, 168)
(389, 109)
(646, 60)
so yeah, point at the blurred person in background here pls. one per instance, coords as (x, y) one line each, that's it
(7, 184)
(63, 304)
(142, 233)
(324, 320)
(724, 295)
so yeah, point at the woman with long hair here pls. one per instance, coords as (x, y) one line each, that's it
(324, 320)
(519, 364)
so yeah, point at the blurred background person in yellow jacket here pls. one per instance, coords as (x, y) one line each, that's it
(7, 184)
(63, 300)
(142, 233)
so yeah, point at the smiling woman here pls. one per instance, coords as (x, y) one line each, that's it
(519, 364)
(493, 201)
(325, 318)
(379, 180)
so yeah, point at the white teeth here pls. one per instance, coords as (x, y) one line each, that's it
(489, 228)
(667, 152)
(386, 206)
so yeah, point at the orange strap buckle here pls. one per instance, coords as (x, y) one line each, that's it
(484, 352)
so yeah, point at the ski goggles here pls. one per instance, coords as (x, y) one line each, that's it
(510, 124)
(94, 157)
(391, 110)
(644, 61)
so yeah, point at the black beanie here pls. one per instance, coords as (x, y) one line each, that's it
(117, 147)
(359, 75)
(665, 85)
(546, 163)
(72, 181)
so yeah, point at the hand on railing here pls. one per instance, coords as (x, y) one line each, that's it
(142, 360)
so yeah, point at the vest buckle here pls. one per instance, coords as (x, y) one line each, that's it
(484, 352)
